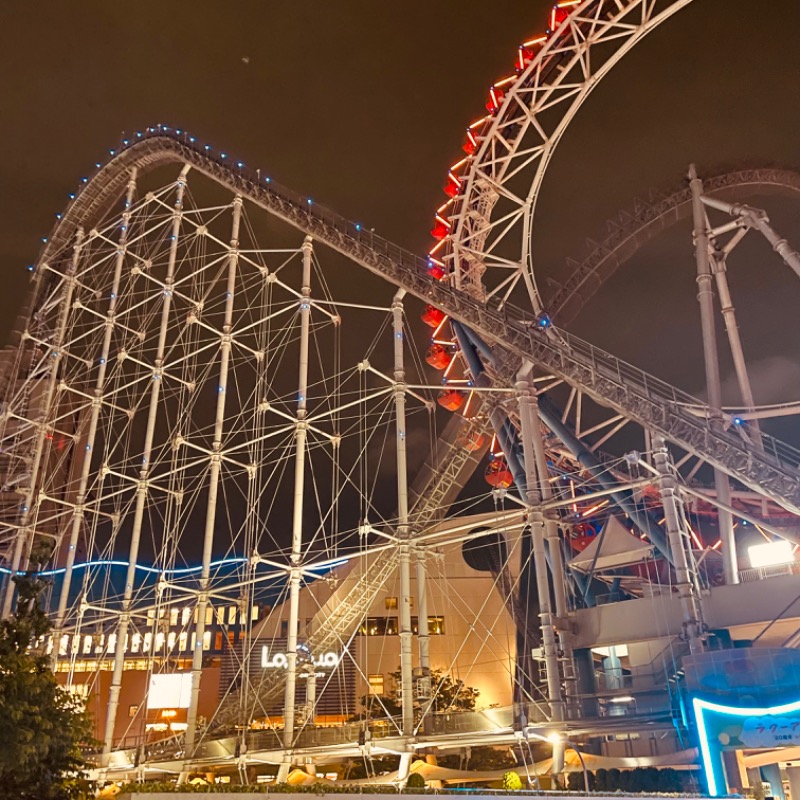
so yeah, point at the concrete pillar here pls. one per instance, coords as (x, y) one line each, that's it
(793, 774)
(772, 773)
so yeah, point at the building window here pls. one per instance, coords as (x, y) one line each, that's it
(435, 626)
(209, 615)
(376, 684)
(379, 626)
(231, 615)
(173, 616)
(389, 626)
(218, 641)
(284, 627)
(391, 603)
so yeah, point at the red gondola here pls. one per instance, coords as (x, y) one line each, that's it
(439, 230)
(451, 399)
(438, 357)
(451, 189)
(557, 16)
(433, 316)
(498, 475)
(495, 99)
(470, 144)
(471, 441)
(436, 269)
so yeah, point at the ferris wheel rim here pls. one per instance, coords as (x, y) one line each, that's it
(485, 153)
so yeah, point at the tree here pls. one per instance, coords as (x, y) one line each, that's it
(42, 726)
(448, 695)
(378, 706)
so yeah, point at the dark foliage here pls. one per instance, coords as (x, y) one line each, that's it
(42, 726)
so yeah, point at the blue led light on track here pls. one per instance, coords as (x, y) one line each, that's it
(173, 571)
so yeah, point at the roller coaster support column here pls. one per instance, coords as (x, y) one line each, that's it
(719, 266)
(403, 529)
(554, 552)
(301, 435)
(142, 489)
(214, 476)
(78, 512)
(679, 547)
(26, 532)
(423, 634)
(758, 219)
(529, 423)
(705, 297)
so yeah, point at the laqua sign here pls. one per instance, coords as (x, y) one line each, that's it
(771, 731)
(722, 727)
(279, 660)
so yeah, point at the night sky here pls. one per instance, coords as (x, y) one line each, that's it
(363, 105)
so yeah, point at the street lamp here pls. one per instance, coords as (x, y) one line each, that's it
(555, 738)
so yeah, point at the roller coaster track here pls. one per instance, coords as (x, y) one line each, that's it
(513, 332)
(634, 227)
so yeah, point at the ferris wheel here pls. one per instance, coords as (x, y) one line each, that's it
(483, 232)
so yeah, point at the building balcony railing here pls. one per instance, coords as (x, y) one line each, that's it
(760, 573)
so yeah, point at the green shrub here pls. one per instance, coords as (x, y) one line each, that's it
(415, 781)
(576, 781)
(601, 779)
